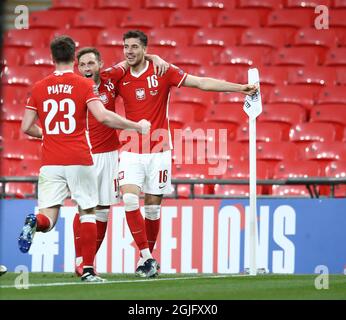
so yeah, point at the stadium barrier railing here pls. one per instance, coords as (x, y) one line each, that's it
(311, 184)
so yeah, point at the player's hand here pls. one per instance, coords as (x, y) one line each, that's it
(249, 89)
(160, 66)
(144, 126)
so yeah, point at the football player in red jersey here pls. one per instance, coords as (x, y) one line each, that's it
(60, 102)
(146, 166)
(104, 141)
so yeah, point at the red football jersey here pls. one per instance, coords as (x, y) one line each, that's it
(146, 96)
(103, 138)
(60, 101)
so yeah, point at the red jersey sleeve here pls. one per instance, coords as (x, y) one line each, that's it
(92, 92)
(176, 76)
(115, 73)
(31, 102)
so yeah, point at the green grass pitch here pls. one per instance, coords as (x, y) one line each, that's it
(56, 286)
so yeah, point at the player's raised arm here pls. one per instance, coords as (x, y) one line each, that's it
(211, 84)
(115, 121)
(29, 126)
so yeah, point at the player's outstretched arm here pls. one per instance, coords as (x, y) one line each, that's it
(115, 121)
(211, 84)
(29, 126)
(160, 66)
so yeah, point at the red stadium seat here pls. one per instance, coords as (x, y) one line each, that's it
(312, 76)
(237, 151)
(230, 98)
(184, 55)
(265, 132)
(277, 151)
(21, 149)
(252, 57)
(341, 76)
(53, 19)
(110, 37)
(119, 4)
(306, 4)
(230, 73)
(14, 94)
(75, 5)
(179, 114)
(238, 18)
(213, 4)
(324, 153)
(332, 95)
(290, 18)
(162, 4)
(12, 112)
(301, 95)
(240, 170)
(191, 172)
(272, 153)
(335, 114)
(337, 18)
(337, 169)
(38, 57)
(191, 19)
(111, 55)
(37, 38)
(19, 190)
(9, 167)
(294, 169)
(271, 76)
(143, 19)
(336, 57)
(268, 37)
(24, 76)
(305, 133)
(316, 38)
(11, 57)
(295, 57)
(258, 4)
(227, 113)
(97, 19)
(216, 37)
(10, 129)
(339, 4)
(167, 37)
(207, 130)
(29, 167)
(284, 114)
(200, 99)
(82, 38)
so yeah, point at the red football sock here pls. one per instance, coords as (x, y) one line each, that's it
(88, 239)
(43, 222)
(76, 233)
(152, 228)
(101, 231)
(136, 224)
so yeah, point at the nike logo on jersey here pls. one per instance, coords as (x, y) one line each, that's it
(161, 187)
(125, 83)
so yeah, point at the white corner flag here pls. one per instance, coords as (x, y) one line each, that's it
(253, 108)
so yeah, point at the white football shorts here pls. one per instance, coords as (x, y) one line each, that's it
(106, 165)
(56, 183)
(151, 172)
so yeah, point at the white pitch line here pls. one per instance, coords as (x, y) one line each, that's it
(58, 284)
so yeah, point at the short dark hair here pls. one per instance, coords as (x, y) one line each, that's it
(137, 34)
(86, 50)
(63, 49)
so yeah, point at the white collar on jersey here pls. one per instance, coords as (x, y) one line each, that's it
(137, 75)
(61, 72)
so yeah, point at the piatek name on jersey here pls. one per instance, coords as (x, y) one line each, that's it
(60, 88)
